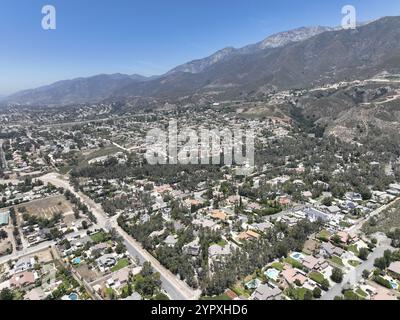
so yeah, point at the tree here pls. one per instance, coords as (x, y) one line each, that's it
(3, 234)
(317, 293)
(308, 295)
(337, 275)
(380, 263)
(363, 254)
(365, 274)
(6, 294)
(85, 225)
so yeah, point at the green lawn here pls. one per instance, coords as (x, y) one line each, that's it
(353, 248)
(241, 292)
(120, 264)
(316, 276)
(336, 260)
(361, 293)
(354, 263)
(221, 297)
(294, 263)
(324, 235)
(278, 266)
(297, 293)
(99, 237)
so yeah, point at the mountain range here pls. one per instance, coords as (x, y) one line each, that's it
(302, 57)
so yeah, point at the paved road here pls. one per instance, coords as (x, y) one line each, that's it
(355, 275)
(353, 230)
(175, 288)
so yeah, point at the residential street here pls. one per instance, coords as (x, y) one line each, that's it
(176, 289)
(356, 274)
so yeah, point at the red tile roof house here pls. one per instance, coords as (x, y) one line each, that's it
(290, 275)
(22, 279)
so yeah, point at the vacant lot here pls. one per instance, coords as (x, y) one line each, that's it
(86, 273)
(385, 222)
(45, 208)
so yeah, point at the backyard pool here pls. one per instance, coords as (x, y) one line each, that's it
(394, 284)
(73, 296)
(76, 261)
(297, 256)
(272, 274)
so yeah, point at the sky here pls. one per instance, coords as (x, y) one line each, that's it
(147, 37)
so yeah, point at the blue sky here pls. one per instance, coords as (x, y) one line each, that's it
(146, 37)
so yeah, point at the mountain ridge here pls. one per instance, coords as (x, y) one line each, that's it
(296, 58)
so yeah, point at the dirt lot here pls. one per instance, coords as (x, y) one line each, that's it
(87, 274)
(44, 256)
(46, 208)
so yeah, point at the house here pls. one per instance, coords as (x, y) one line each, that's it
(312, 263)
(263, 226)
(314, 215)
(119, 278)
(292, 275)
(267, 292)
(22, 279)
(192, 249)
(219, 215)
(216, 250)
(328, 250)
(344, 237)
(394, 270)
(24, 264)
(107, 260)
(248, 235)
(353, 196)
(171, 240)
(333, 209)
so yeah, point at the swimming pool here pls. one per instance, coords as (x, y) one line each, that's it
(297, 255)
(272, 274)
(73, 296)
(76, 261)
(394, 284)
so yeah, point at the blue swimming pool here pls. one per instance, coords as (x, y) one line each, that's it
(394, 284)
(76, 261)
(272, 274)
(297, 255)
(73, 296)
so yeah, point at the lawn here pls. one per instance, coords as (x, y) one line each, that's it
(99, 237)
(221, 297)
(120, 264)
(361, 293)
(317, 277)
(324, 235)
(354, 263)
(337, 261)
(241, 291)
(353, 248)
(278, 266)
(294, 263)
(297, 293)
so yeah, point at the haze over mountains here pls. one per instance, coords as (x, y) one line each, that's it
(299, 58)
